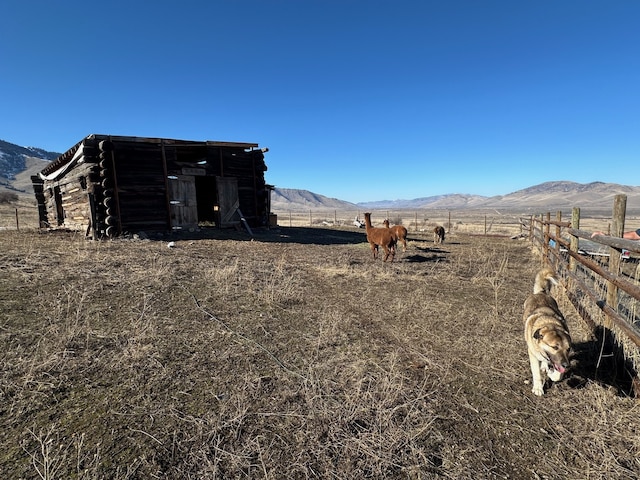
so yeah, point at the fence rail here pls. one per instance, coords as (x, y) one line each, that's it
(601, 275)
(487, 222)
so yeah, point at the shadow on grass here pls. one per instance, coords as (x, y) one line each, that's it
(424, 258)
(301, 235)
(602, 360)
(315, 236)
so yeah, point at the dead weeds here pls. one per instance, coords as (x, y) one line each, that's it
(294, 355)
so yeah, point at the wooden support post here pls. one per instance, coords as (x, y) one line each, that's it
(557, 240)
(545, 239)
(167, 199)
(244, 222)
(575, 241)
(619, 211)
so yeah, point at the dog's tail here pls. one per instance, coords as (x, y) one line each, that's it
(544, 279)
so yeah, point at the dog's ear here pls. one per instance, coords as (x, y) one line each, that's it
(537, 335)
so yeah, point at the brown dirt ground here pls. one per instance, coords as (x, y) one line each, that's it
(293, 355)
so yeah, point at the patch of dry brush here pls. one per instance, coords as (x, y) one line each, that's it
(292, 356)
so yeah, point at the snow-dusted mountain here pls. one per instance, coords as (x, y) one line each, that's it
(13, 158)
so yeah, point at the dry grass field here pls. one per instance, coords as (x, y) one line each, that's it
(294, 355)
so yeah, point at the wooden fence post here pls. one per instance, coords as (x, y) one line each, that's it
(17, 221)
(556, 246)
(619, 210)
(636, 281)
(575, 241)
(545, 239)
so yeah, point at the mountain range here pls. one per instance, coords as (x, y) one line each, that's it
(549, 196)
(17, 164)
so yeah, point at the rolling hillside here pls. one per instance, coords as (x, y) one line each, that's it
(17, 164)
(560, 195)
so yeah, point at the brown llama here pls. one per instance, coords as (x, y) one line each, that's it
(400, 232)
(383, 237)
(438, 234)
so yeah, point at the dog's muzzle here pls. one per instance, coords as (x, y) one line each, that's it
(558, 367)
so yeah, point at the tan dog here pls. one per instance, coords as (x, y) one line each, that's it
(438, 234)
(546, 333)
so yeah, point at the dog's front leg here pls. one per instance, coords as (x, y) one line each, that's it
(538, 386)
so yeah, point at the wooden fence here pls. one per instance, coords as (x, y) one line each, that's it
(601, 275)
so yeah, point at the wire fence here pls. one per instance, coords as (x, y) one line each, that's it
(601, 275)
(491, 222)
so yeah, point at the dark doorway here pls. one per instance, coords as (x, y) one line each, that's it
(207, 198)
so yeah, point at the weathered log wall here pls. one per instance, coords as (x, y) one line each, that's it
(111, 185)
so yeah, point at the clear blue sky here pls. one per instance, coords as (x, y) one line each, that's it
(357, 100)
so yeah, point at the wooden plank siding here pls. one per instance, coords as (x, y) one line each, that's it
(111, 185)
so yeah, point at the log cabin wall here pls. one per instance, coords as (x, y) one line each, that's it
(139, 187)
(63, 198)
(110, 185)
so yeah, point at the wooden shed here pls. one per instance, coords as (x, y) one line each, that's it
(110, 185)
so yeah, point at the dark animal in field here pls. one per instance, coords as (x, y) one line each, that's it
(438, 234)
(383, 237)
(400, 232)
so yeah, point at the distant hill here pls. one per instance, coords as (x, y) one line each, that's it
(549, 196)
(564, 195)
(438, 201)
(13, 158)
(292, 199)
(17, 164)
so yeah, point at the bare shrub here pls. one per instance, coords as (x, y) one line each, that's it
(8, 197)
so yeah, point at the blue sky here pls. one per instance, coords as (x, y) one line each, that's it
(357, 100)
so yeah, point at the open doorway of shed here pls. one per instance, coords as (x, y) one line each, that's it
(207, 200)
(217, 201)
